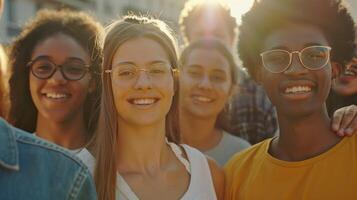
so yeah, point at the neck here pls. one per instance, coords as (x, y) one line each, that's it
(70, 134)
(198, 132)
(303, 137)
(142, 149)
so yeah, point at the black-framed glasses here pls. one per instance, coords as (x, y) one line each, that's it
(73, 69)
(311, 57)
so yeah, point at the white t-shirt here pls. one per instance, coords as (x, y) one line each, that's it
(200, 187)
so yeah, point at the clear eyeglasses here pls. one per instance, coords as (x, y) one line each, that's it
(128, 72)
(312, 58)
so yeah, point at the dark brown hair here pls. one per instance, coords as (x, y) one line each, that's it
(215, 44)
(79, 26)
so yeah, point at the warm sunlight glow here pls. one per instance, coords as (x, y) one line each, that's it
(238, 7)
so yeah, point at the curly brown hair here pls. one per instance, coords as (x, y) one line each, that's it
(330, 16)
(78, 25)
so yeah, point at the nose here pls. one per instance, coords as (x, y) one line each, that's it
(296, 67)
(57, 77)
(205, 82)
(143, 81)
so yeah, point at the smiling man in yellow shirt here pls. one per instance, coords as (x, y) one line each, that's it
(294, 48)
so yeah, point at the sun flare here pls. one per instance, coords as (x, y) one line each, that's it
(238, 7)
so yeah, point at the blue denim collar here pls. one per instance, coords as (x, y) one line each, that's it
(9, 154)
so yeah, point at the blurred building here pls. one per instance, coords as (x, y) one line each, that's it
(18, 12)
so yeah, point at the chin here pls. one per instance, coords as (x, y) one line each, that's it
(299, 111)
(200, 113)
(144, 119)
(59, 118)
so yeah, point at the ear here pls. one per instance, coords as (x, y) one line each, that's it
(336, 69)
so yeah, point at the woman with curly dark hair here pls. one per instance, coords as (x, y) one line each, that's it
(292, 47)
(54, 83)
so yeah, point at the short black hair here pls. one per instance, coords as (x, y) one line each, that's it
(330, 16)
(79, 26)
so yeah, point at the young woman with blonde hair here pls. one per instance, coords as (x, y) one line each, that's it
(137, 152)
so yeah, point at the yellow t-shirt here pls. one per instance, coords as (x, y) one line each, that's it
(255, 174)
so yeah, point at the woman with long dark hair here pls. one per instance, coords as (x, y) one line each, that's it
(54, 83)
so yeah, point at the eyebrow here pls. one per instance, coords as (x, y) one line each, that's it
(305, 45)
(51, 58)
(194, 66)
(219, 70)
(132, 63)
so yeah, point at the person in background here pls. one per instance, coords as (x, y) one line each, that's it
(251, 114)
(33, 169)
(137, 155)
(295, 56)
(55, 83)
(207, 81)
(344, 87)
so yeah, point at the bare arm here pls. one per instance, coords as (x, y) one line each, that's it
(218, 178)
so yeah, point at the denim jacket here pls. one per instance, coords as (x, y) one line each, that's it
(31, 168)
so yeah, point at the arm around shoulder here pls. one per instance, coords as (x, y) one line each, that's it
(218, 178)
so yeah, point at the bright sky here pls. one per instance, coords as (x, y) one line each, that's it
(239, 7)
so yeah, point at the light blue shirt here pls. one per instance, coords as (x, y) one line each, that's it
(33, 169)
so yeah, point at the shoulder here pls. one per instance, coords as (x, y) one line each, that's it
(241, 165)
(35, 153)
(238, 142)
(39, 146)
(218, 177)
(246, 156)
(353, 139)
(88, 159)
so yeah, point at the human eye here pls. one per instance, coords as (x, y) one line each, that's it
(276, 57)
(315, 53)
(126, 72)
(74, 68)
(218, 77)
(159, 68)
(157, 71)
(42, 66)
(195, 73)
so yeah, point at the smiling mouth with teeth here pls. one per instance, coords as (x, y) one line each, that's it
(144, 101)
(56, 96)
(297, 89)
(202, 99)
(350, 73)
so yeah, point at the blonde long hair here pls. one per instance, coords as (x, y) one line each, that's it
(106, 138)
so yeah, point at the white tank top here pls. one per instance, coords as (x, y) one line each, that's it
(200, 186)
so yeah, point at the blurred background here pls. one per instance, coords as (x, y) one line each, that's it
(17, 12)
